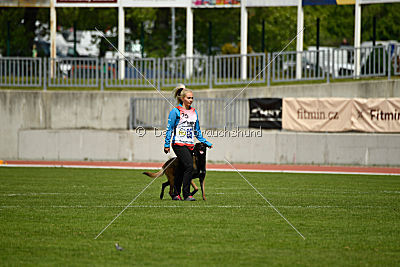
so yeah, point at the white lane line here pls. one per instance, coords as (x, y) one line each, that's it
(208, 169)
(230, 191)
(200, 206)
(30, 194)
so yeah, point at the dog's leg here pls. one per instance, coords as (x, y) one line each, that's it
(171, 181)
(195, 189)
(202, 182)
(163, 186)
(172, 189)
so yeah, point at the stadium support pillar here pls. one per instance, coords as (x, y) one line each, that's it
(209, 38)
(263, 36)
(53, 26)
(75, 52)
(142, 39)
(121, 41)
(189, 42)
(8, 38)
(243, 38)
(172, 31)
(357, 37)
(374, 31)
(299, 42)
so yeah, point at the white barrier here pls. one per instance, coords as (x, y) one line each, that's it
(247, 146)
(103, 111)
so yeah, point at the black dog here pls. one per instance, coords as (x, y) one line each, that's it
(171, 167)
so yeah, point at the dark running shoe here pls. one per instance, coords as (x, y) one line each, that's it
(190, 198)
(178, 197)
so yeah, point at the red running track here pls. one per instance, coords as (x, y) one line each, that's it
(214, 167)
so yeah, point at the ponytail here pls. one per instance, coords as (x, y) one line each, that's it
(180, 92)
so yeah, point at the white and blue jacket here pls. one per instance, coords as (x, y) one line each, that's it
(184, 125)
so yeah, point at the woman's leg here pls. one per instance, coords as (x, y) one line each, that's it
(178, 180)
(185, 157)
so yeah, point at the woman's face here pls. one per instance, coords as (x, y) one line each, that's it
(188, 99)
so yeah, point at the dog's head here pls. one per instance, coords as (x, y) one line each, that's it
(200, 151)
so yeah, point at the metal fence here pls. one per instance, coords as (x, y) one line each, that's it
(187, 70)
(20, 71)
(149, 112)
(394, 53)
(372, 62)
(211, 111)
(217, 113)
(228, 69)
(313, 66)
(342, 63)
(321, 65)
(130, 72)
(73, 72)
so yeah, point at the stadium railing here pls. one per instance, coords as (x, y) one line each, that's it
(228, 69)
(395, 59)
(372, 62)
(211, 111)
(130, 72)
(191, 71)
(314, 65)
(20, 72)
(72, 72)
(202, 71)
(342, 63)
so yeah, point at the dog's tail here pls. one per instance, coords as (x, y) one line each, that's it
(160, 172)
(155, 174)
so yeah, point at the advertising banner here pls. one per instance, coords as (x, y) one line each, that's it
(328, 2)
(87, 1)
(265, 113)
(317, 114)
(25, 3)
(376, 115)
(211, 3)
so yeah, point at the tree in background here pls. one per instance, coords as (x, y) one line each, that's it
(157, 32)
(225, 28)
(22, 29)
(337, 23)
(387, 26)
(140, 21)
(104, 19)
(280, 28)
(87, 18)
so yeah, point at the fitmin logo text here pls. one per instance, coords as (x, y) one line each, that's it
(377, 114)
(303, 114)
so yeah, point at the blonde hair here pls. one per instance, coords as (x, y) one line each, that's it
(180, 92)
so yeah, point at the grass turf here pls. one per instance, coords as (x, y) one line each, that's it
(51, 216)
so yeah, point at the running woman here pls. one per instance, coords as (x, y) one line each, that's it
(184, 124)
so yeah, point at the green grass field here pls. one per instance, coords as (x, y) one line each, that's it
(51, 216)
